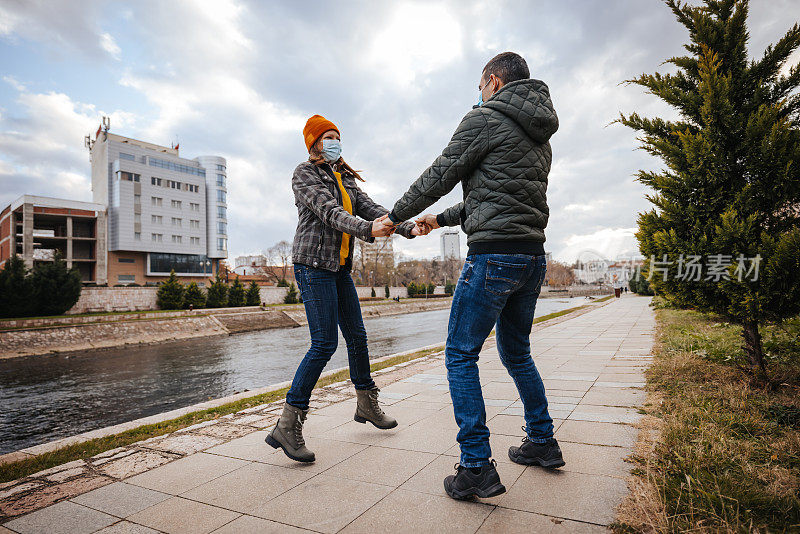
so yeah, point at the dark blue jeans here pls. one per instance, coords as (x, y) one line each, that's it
(494, 291)
(330, 299)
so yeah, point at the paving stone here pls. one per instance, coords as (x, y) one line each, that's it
(595, 459)
(577, 496)
(120, 499)
(379, 465)
(255, 525)
(65, 517)
(138, 461)
(48, 495)
(604, 414)
(248, 487)
(126, 527)
(323, 503)
(507, 521)
(611, 397)
(186, 473)
(597, 433)
(179, 516)
(407, 511)
(225, 431)
(182, 443)
(328, 453)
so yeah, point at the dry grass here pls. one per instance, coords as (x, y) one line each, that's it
(718, 453)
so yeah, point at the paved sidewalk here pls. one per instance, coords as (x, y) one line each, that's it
(367, 480)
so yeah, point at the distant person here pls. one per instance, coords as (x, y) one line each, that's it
(332, 210)
(500, 154)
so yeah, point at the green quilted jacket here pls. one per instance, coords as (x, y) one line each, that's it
(500, 154)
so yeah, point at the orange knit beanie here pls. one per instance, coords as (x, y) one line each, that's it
(315, 127)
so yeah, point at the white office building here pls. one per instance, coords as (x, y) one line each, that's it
(451, 244)
(165, 212)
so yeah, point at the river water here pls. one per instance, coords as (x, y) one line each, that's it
(43, 398)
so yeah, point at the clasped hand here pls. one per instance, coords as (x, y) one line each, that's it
(383, 226)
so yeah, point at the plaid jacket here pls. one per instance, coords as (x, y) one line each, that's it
(321, 219)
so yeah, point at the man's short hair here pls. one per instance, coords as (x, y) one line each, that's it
(508, 66)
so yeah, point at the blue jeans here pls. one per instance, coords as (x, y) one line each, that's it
(330, 299)
(494, 291)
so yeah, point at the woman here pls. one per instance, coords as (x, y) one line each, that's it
(332, 210)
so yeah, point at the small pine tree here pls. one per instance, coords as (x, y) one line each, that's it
(283, 283)
(55, 288)
(373, 294)
(170, 293)
(449, 288)
(194, 297)
(253, 297)
(730, 189)
(16, 290)
(236, 294)
(386, 291)
(217, 295)
(291, 295)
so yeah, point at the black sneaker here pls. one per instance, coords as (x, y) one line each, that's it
(546, 454)
(471, 481)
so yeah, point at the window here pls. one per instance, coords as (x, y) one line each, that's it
(221, 243)
(137, 199)
(137, 236)
(123, 155)
(221, 180)
(129, 176)
(155, 181)
(197, 171)
(126, 260)
(157, 237)
(220, 167)
(163, 263)
(156, 201)
(176, 239)
(126, 278)
(194, 206)
(195, 240)
(193, 188)
(220, 195)
(176, 204)
(221, 212)
(156, 219)
(194, 224)
(176, 221)
(137, 218)
(222, 228)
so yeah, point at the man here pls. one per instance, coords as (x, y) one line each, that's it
(500, 153)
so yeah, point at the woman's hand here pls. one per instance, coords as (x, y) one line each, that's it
(428, 220)
(382, 226)
(421, 229)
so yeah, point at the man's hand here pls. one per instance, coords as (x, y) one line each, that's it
(382, 226)
(421, 229)
(428, 220)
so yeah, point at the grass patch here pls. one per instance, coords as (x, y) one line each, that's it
(87, 449)
(727, 455)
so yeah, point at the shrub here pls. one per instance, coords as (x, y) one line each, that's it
(170, 293)
(16, 290)
(283, 283)
(193, 296)
(217, 296)
(373, 294)
(386, 291)
(253, 297)
(236, 295)
(291, 295)
(449, 288)
(55, 288)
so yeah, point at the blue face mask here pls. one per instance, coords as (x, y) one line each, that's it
(480, 98)
(331, 150)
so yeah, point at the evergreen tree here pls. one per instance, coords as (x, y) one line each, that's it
(373, 294)
(253, 297)
(236, 293)
(291, 295)
(386, 292)
(193, 296)
(217, 295)
(282, 283)
(55, 288)
(170, 293)
(731, 185)
(16, 291)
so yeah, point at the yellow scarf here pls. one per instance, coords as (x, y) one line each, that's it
(347, 204)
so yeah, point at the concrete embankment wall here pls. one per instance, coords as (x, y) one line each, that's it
(43, 336)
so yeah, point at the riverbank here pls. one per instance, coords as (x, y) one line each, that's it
(39, 336)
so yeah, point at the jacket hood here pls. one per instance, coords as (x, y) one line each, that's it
(527, 102)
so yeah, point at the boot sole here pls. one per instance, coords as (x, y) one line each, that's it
(492, 491)
(275, 444)
(547, 464)
(362, 420)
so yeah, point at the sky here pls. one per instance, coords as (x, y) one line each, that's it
(239, 79)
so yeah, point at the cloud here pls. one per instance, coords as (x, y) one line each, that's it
(108, 44)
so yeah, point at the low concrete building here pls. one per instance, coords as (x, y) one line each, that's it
(36, 227)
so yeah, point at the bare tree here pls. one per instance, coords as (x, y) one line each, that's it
(280, 254)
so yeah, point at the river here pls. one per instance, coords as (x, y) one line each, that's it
(44, 398)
